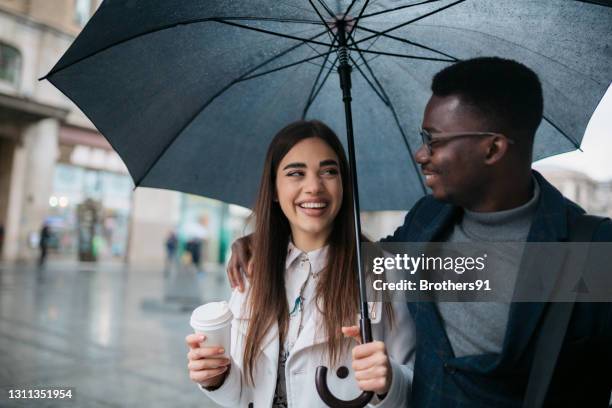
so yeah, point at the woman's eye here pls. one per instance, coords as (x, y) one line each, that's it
(330, 171)
(295, 174)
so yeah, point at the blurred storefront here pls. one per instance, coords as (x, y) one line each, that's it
(90, 202)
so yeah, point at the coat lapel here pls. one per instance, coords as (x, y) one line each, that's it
(549, 225)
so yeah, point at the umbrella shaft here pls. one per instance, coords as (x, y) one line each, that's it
(344, 71)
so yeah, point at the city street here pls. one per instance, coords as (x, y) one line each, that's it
(102, 330)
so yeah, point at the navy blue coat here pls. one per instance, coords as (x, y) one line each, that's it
(583, 375)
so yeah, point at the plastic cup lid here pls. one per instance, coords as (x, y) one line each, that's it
(212, 313)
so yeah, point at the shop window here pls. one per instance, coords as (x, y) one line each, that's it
(10, 64)
(82, 11)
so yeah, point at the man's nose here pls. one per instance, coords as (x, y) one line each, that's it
(422, 155)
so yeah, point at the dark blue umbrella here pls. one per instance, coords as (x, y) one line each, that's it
(189, 93)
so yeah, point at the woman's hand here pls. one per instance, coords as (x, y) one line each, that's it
(207, 365)
(370, 363)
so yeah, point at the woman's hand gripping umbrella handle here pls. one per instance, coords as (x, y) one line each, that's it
(321, 376)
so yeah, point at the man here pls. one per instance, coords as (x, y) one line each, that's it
(478, 131)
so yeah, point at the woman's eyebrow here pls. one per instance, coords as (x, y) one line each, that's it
(328, 162)
(295, 166)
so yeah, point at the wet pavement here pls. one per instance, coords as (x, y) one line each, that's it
(105, 331)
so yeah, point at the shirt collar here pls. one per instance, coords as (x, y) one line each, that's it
(317, 257)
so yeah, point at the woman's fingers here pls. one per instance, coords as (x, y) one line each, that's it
(368, 349)
(208, 364)
(376, 371)
(193, 340)
(352, 331)
(377, 385)
(205, 352)
(204, 376)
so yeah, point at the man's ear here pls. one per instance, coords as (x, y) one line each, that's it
(497, 148)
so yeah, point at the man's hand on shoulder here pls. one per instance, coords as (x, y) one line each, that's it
(240, 264)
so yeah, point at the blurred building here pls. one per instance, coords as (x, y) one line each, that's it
(594, 196)
(55, 168)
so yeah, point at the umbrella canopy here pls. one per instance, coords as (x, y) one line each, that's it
(189, 93)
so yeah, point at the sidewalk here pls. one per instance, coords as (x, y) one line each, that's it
(84, 326)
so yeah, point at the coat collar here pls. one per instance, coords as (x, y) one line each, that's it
(317, 257)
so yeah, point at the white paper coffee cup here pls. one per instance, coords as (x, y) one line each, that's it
(214, 321)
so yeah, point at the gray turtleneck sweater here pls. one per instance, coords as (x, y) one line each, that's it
(479, 327)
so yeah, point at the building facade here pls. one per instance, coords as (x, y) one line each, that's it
(56, 169)
(592, 195)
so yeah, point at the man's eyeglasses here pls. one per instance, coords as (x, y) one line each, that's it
(429, 140)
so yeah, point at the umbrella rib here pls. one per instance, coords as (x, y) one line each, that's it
(356, 21)
(261, 30)
(568, 137)
(320, 16)
(314, 85)
(278, 20)
(382, 98)
(348, 10)
(391, 54)
(326, 7)
(316, 93)
(246, 78)
(407, 42)
(602, 3)
(370, 60)
(412, 21)
(395, 117)
(125, 40)
(351, 37)
(399, 8)
(212, 99)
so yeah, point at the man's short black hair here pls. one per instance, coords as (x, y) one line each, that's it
(507, 92)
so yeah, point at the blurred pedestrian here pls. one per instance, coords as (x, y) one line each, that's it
(45, 235)
(197, 236)
(171, 245)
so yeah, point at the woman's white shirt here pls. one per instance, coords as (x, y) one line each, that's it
(307, 350)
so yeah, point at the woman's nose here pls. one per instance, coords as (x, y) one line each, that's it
(313, 184)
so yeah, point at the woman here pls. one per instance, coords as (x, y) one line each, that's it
(303, 289)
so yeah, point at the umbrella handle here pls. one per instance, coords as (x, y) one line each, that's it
(321, 374)
(331, 400)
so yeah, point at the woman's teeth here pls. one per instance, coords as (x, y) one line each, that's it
(313, 205)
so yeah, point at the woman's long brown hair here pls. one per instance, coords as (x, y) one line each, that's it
(338, 281)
